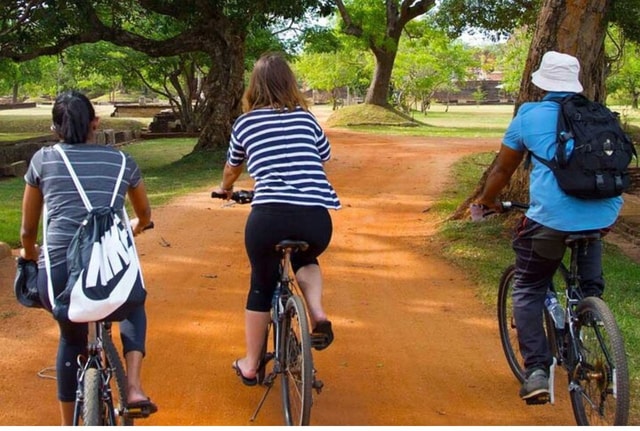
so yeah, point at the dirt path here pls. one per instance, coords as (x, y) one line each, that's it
(414, 346)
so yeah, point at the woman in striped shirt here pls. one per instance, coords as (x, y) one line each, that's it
(284, 148)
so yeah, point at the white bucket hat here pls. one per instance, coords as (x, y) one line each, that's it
(558, 72)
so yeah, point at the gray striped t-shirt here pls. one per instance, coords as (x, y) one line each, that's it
(97, 167)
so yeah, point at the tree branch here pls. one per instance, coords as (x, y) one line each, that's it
(350, 27)
(410, 9)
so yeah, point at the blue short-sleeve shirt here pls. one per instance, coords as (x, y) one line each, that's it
(534, 128)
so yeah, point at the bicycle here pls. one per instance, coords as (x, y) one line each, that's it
(290, 336)
(588, 346)
(101, 394)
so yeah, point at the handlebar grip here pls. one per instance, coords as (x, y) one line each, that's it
(240, 196)
(509, 205)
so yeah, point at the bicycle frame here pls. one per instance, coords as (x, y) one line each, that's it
(287, 299)
(96, 359)
(573, 296)
(280, 296)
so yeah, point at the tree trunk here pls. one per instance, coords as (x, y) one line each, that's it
(14, 97)
(575, 27)
(223, 90)
(378, 92)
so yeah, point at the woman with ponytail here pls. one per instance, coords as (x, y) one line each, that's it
(49, 186)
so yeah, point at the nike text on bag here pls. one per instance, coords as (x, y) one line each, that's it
(105, 280)
(593, 152)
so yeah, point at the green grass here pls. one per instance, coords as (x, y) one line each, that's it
(11, 210)
(464, 121)
(483, 249)
(457, 121)
(15, 124)
(168, 168)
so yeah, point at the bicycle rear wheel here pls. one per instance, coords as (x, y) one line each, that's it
(118, 381)
(93, 409)
(297, 377)
(599, 382)
(507, 325)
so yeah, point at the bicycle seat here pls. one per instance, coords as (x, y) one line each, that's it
(587, 237)
(292, 245)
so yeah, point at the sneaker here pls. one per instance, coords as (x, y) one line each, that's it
(536, 386)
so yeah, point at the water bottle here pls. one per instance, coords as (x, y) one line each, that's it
(555, 309)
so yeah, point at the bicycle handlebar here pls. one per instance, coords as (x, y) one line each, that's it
(509, 205)
(241, 196)
(481, 212)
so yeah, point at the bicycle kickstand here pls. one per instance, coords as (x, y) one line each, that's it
(264, 397)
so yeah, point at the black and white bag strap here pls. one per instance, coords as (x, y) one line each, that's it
(76, 180)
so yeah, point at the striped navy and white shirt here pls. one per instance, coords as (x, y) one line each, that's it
(97, 167)
(284, 151)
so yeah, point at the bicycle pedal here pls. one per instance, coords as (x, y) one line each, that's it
(538, 400)
(320, 340)
(140, 412)
(136, 414)
(318, 385)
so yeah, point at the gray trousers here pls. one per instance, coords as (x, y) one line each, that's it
(539, 251)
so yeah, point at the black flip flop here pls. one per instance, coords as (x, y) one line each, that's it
(322, 335)
(247, 381)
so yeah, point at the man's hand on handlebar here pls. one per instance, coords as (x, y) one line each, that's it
(481, 211)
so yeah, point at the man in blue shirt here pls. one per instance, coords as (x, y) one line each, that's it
(539, 238)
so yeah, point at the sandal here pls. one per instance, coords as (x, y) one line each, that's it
(322, 335)
(247, 381)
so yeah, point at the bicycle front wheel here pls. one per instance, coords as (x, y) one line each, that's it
(93, 409)
(507, 325)
(298, 364)
(599, 382)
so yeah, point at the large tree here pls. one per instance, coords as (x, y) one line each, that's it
(379, 26)
(576, 27)
(218, 28)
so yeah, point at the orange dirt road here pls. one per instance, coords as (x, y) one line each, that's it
(414, 345)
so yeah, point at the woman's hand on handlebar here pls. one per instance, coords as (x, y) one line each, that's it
(137, 228)
(219, 192)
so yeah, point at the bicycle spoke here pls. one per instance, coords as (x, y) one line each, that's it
(601, 372)
(298, 366)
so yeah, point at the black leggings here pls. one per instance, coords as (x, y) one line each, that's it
(73, 336)
(267, 225)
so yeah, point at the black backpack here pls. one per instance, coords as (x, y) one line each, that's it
(597, 165)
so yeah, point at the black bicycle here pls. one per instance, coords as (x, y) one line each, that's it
(289, 334)
(587, 343)
(101, 394)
